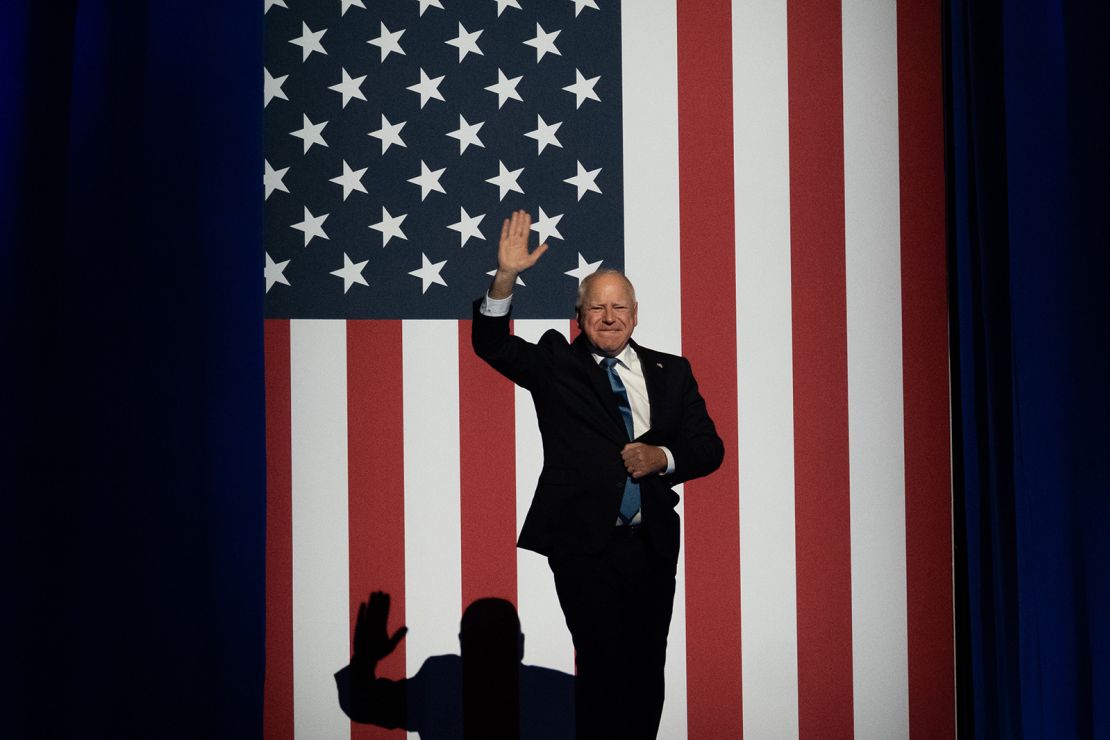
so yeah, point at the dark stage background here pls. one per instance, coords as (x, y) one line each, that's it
(1028, 157)
(133, 469)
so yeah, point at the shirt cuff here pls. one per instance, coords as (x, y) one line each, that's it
(670, 461)
(496, 307)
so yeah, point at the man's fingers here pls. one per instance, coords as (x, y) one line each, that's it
(535, 256)
(397, 637)
(523, 223)
(379, 602)
(513, 255)
(640, 459)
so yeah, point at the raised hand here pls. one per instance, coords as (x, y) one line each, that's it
(372, 640)
(513, 256)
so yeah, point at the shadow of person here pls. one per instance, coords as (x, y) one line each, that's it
(485, 692)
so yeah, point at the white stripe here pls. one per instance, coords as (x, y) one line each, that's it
(765, 403)
(673, 723)
(547, 641)
(321, 626)
(650, 120)
(433, 577)
(875, 418)
(649, 51)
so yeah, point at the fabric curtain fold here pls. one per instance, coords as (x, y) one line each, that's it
(1029, 366)
(134, 475)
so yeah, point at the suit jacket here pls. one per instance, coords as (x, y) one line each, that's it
(581, 484)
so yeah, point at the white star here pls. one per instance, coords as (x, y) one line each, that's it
(491, 273)
(388, 41)
(425, 4)
(544, 134)
(579, 4)
(583, 89)
(271, 87)
(429, 273)
(275, 272)
(544, 43)
(547, 227)
(390, 226)
(467, 226)
(389, 133)
(584, 269)
(309, 41)
(272, 3)
(351, 272)
(428, 180)
(350, 180)
(506, 180)
(312, 133)
(272, 179)
(349, 87)
(427, 88)
(584, 181)
(311, 226)
(466, 43)
(502, 4)
(344, 4)
(505, 88)
(467, 134)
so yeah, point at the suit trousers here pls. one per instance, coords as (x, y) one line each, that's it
(618, 606)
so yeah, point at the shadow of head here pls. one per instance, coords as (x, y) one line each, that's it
(489, 634)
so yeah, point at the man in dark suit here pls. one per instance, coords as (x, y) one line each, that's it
(621, 424)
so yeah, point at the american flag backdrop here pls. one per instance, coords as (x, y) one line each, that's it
(769, 173)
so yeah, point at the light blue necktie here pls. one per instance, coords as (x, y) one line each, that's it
(630, 503)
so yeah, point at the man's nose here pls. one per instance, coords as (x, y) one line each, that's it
(609, 316)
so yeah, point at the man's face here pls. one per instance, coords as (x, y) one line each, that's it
(608, 314)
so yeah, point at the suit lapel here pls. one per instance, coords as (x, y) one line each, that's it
(599, 381)
(652, 369)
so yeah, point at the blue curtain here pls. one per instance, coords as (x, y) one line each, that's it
(131, 295)
(1030, 262)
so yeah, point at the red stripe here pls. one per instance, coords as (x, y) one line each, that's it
(820, 360)
(376, 481)
(487, 485)
(712, 540)
(925, 372)
(277, 695)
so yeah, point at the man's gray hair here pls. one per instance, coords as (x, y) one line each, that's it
(587, 281)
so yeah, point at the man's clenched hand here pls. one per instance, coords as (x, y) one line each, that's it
(640, 459)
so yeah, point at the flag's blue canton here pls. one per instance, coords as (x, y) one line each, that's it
(325, 277)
